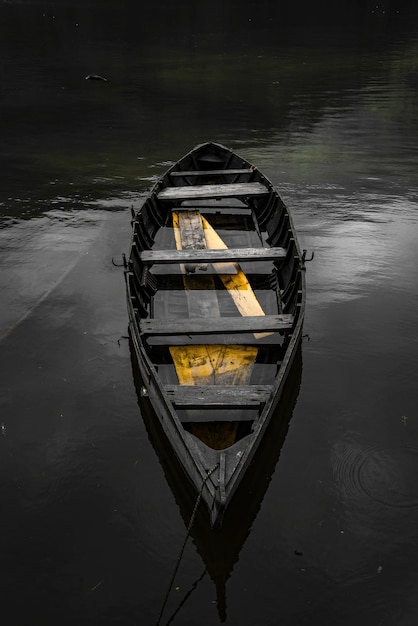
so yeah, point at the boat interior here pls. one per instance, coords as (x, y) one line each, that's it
(215, 283)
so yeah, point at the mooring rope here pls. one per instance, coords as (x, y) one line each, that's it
(186, 597)
(189, 528)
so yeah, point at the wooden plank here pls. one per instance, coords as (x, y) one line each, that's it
(212, 191)
(212, 172)
(237, 255)
(233, 207)
(233, 278)
(243, 339)
(218, 396)
(188, 230)
(188, 233)
(190, 326)
(213, 364)
(216, 434)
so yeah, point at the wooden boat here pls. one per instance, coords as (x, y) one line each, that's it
(216, 296)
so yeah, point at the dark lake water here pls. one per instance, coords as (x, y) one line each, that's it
(324, 101)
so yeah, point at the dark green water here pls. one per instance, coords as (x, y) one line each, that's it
(324, 101)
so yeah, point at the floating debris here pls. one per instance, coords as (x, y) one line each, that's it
(97, 585)
(96, 77)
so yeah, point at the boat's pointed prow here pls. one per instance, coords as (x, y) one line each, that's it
(217, 515)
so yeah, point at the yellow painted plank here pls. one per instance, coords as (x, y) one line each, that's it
(234, 279)
(210, 364)
(213, 364)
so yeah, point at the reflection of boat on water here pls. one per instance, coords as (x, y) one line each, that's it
(220, 548)
(216, 296)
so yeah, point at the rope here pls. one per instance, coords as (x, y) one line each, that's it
(189, 528)
(186, 597)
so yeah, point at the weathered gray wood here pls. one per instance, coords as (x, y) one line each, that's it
(191, 233)
(190, 326)
(212, 191)
(197, 416)
(212, 172)
(218, 396)
(243, 339)
(192, 237)
(212, 256)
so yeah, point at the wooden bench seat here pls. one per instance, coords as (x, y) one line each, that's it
(205, 255)
(212, 191)
(212, 172)
(218, 396)
(216, 326)
(237, 339)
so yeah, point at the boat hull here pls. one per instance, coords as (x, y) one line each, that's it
(204, 370)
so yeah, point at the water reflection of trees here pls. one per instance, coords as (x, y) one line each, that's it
(183, 73)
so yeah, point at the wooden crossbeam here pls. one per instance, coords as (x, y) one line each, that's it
(243, 339)
(212, 172)
(212, 191)
(197, 326)
(218, 396)
(212, 256)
